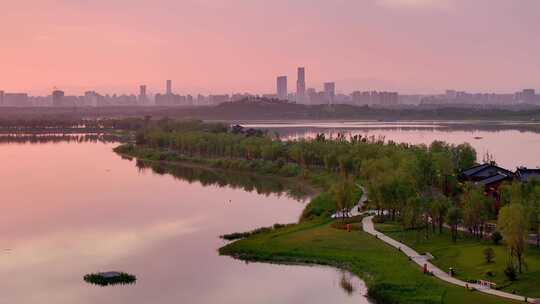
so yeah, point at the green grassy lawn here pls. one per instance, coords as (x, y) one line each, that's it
(467, 258)
(389, 274)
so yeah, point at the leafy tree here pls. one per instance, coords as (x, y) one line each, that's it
(465, 156)
(454, 218)
(345, 165)
(343, 196)
(438, 209)
(512, 223)
(413, 213)
(476, 208)
(444, 168)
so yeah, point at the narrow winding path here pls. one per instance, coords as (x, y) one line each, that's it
(421, 260)
(356, 210)
(369, 227)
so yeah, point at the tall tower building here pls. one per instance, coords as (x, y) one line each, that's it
(1, 98)
(301, 85)
(169, 87)
(142, 94)
(57, 98)
(282, 88)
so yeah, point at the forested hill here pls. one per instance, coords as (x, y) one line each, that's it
(268, 109)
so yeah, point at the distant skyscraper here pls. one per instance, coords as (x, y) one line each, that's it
(16, 99)
(528, 96)
(57, 98)
(169, 87)
(330, 91)
(91, 98)
(142, 94)
(1, 98)
(282, 88)
(301, 86)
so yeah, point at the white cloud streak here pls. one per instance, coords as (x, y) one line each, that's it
(419, 4)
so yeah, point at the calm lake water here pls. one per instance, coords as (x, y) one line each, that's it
(68, 209)
(510, 145)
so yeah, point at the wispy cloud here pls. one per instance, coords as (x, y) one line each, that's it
(421, 4)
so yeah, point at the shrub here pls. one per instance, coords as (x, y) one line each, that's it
(321, 206)
(289, 170)
(386, 293)
(353, 219)
(510, 272)
(343, 226)
(277, 226)
(489, 255)
(496, 237)
(242, 235)
(378, 219)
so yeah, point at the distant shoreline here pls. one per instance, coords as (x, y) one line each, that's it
(264, 110)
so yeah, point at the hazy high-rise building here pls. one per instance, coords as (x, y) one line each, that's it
(301, 85)
(1, 98)
(282, 87)
(142, 94)
(57, 98)
(16, 99)
(169, 87)
(528, 96)
(388, 99)
(330, 91)
(451, 94)
(91, 98)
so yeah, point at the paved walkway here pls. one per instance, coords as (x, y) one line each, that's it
(356, 210)
(368, 226)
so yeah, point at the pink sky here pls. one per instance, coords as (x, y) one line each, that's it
(213, 46)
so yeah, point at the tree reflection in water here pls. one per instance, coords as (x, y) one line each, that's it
(346, 283)
(41, 138)
(264, 185)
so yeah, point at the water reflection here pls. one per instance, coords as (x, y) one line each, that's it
(346, 283)
(36, 138)
(264, 185)
(443, 126)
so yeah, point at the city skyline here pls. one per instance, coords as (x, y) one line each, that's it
(280, 91)
(281, 84)
(311, 96)
(78, 45)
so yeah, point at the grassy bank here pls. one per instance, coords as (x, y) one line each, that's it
(390, 276)
(467, 258)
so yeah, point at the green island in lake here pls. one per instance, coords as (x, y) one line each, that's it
(110, 278)
(432, 199)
